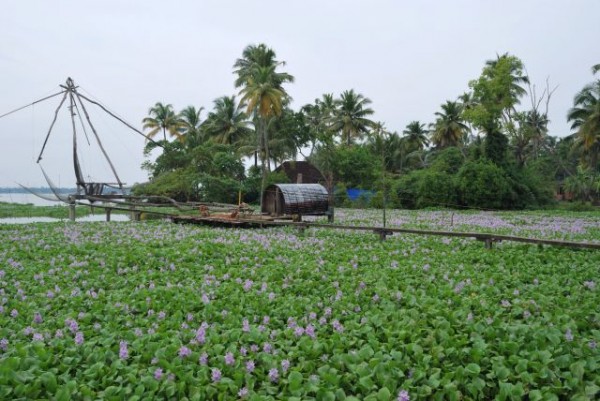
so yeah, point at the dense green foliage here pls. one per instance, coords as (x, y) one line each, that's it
(162, 311)
(486, 127)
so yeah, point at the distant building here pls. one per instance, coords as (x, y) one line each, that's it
(301, 172)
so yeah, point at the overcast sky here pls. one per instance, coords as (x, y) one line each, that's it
(408, 57)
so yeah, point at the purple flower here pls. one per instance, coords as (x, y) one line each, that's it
(337, 326)
(250, 366)
(38, 337)
(403, 396)
(58, 333)
(505, 303)
(79, 338)
(161, 315)
(158, 373)
(154, 361)
(216, 375)
(243, 351)
(201, 335)
(459, 287)
(14, 313)
(267, 348)
(229, 359)
(37, 317)
(592, 344)
(123, 352)
(245, 326)
(568, 335)
(590, 285)
(248, 285)
(203, 359)
(3, 344)
(184, 351)
(298, 331)
(310, 331)
(274, 375)
(243, 392)
(285, 365)
(73, 326)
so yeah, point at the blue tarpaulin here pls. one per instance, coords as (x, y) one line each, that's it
(354, 193)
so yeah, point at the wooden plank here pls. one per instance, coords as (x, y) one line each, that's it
(486, 237)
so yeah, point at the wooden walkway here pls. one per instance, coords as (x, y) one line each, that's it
(383, 232)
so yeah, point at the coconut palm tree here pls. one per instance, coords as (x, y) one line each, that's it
(262, 92)
(191, 129)
(537, 126)
(162, 118)
(349, 117)
(511, 67)
(227, 123)
(258, 56)
(449, 128)
(585, 119)
(415, 136)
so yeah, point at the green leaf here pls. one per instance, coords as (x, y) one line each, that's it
(535, 395)
(578, 369)
(295, 381)
(384, 394)
(340, 395)
(63, 394)
(323, 395)
(473, 369)
(49, 381)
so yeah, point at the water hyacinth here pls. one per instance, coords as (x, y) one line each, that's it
(287, 311)
(403, 396)
(184, 352)
(216, 375)
(123, 351)
(229, 359)
(79, 338)
(273, 375)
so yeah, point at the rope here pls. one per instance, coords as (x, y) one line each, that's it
(31, 104)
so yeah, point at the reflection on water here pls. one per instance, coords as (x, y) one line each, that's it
(91, 217)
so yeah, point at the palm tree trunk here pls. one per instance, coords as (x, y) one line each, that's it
(266, 142)
(263, 156)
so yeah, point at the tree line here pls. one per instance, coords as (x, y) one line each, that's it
(485, 148)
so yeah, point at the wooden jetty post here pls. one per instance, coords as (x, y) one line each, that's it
(72, 213)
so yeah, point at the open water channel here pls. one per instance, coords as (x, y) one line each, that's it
(37, 201)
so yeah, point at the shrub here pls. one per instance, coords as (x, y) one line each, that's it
(483, 184)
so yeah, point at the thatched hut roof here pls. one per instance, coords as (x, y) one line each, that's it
(310, 174)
